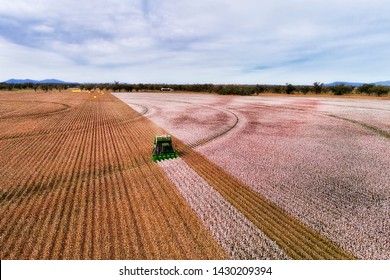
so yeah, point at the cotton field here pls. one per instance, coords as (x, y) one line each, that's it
(326, 161)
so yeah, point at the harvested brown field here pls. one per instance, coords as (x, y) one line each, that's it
(77, 182)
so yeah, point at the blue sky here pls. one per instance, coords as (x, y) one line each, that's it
(187, 41)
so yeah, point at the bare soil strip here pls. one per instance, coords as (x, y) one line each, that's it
(327, 172)
(82, 186)
(234, 232)
(298, 240)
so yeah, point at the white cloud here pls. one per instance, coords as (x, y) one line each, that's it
(249, 41)
(42, 28)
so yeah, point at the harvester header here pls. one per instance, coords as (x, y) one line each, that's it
(162, 148)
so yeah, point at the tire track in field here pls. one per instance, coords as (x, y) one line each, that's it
(167, 220)
(212, 137)
(84, 174)
(353, 194)
(207, 138)
(370, 127)
(33, 154)
(219, 134)
(58, 125)
(169, 199)
(355, 107)
(51, 194)
(70, 208)
(296, 239)
(144, 108)
(29, 115)
(182, 248)
(17, 148)
(57, 179)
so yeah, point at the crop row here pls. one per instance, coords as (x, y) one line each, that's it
(323, 160)
(256, 151)
(235, 233)
(372, 112)
(25, 108)
(296, 239)
(328, 173)
(82, 186)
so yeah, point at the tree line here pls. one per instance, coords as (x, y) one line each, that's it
(223, 89)
(36, 86)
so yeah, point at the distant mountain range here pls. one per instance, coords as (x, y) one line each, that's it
(26, 81)
(357, 84)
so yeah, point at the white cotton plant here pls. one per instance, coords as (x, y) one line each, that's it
(234, 232)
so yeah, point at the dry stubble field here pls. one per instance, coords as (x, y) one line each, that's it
(258, 177)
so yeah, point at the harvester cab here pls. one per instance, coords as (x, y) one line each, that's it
(163, 148)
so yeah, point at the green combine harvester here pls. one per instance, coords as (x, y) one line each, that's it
(163, 148)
